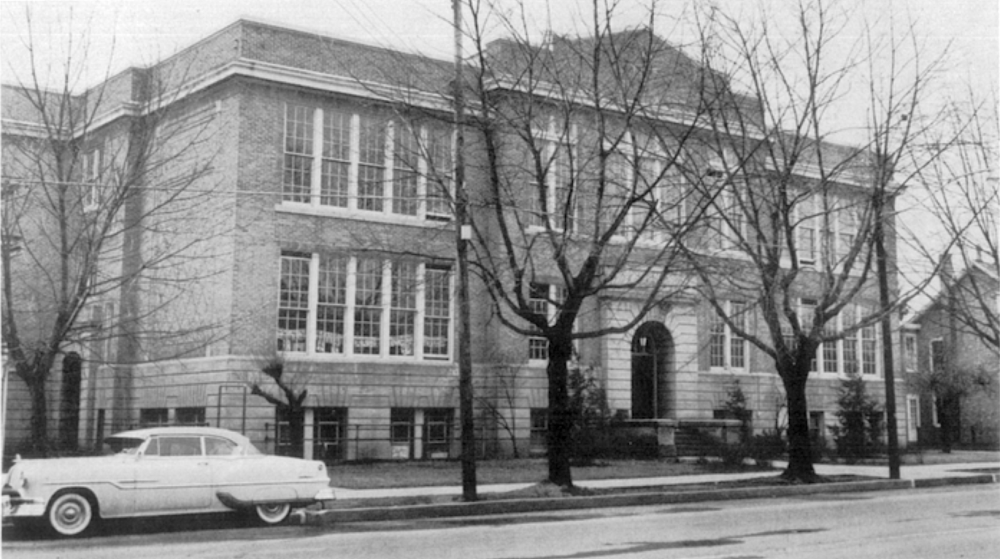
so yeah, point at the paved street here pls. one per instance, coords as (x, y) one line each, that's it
(961, 521)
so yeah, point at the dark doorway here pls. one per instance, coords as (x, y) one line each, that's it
(651, 350)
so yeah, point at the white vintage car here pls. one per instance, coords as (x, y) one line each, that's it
(160, 471)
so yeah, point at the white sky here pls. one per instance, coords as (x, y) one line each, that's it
(144, 31)
(147, 30)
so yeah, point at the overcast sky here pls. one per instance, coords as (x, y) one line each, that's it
(144, 31)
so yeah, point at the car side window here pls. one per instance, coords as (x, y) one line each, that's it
(180, 446)
(215, 446)
(153, 448)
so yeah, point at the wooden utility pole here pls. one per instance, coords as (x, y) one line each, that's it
(881, 257)
(463, 234)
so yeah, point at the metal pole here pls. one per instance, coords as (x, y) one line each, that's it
(462, 237)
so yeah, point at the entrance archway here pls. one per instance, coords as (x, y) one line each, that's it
(652, 348)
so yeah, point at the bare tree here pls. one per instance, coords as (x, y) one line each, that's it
(580, 204)
(797, 220)
(107, 193)
(289, 399)
(963, 196)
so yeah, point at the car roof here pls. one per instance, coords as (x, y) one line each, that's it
(180, 430)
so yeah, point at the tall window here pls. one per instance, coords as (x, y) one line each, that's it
(344, 305)
(334, 186)
(806, 231)
(293, 302)
(331, 305)
(298, 153)
(856, 352)
(371, 163)
(539, 418)
(937, 356)
(405, 169)
(910, 352)
(337, 158)
(559, 206)
(439, 173)
(726, 348)
(403, 313)
(368, 307)
(538, 300)
(437, 312)
(92, 162)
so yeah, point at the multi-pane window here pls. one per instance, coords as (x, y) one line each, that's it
(937, 356)
(806, 231)
(855, 353)
(726, 348)
(92, 162)
(910, 353)
(437, 312)
(190, 416)
(850, 342)
(340, 305)
(405, 170)
(869, 353)
(634, 181)
(403, 313)
(153, 417)
(297, 181)
(334, 186)
(541, 297)
(293, 302)
(825, 227)
(556, 203)
(329, 433)
(539, 430)
(336, 158)
(331, 305)
(437, 430)
(439, 173)
(368, 307)
(371, 163)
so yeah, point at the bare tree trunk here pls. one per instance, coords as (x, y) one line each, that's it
(560, 419)
(800, 467)
(39, 412)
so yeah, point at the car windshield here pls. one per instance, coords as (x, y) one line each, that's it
(123, 445)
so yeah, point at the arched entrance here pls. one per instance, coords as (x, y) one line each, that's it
(652, 348)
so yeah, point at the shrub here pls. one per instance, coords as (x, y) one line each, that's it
(860, 418)
(766, 446)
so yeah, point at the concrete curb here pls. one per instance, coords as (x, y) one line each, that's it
(516, 506)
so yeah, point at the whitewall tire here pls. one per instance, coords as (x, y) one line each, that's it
(275, 513)
(70, 514)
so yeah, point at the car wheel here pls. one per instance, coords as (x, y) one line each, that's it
(70, 514)
(274, 513)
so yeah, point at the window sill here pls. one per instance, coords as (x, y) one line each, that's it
(358, 358)
(430, 222)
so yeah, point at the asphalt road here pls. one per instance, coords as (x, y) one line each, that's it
(948, 522)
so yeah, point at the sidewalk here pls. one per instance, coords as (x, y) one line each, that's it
(913, 476)
(907, 472)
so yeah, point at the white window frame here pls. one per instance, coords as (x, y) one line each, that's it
(92, 162)
(655, 230)
(551, 139)
(730, 338)
(910, 352)
(317, 158)
(837, 323)
(912, 418)
(384, 353)
(554, 293)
